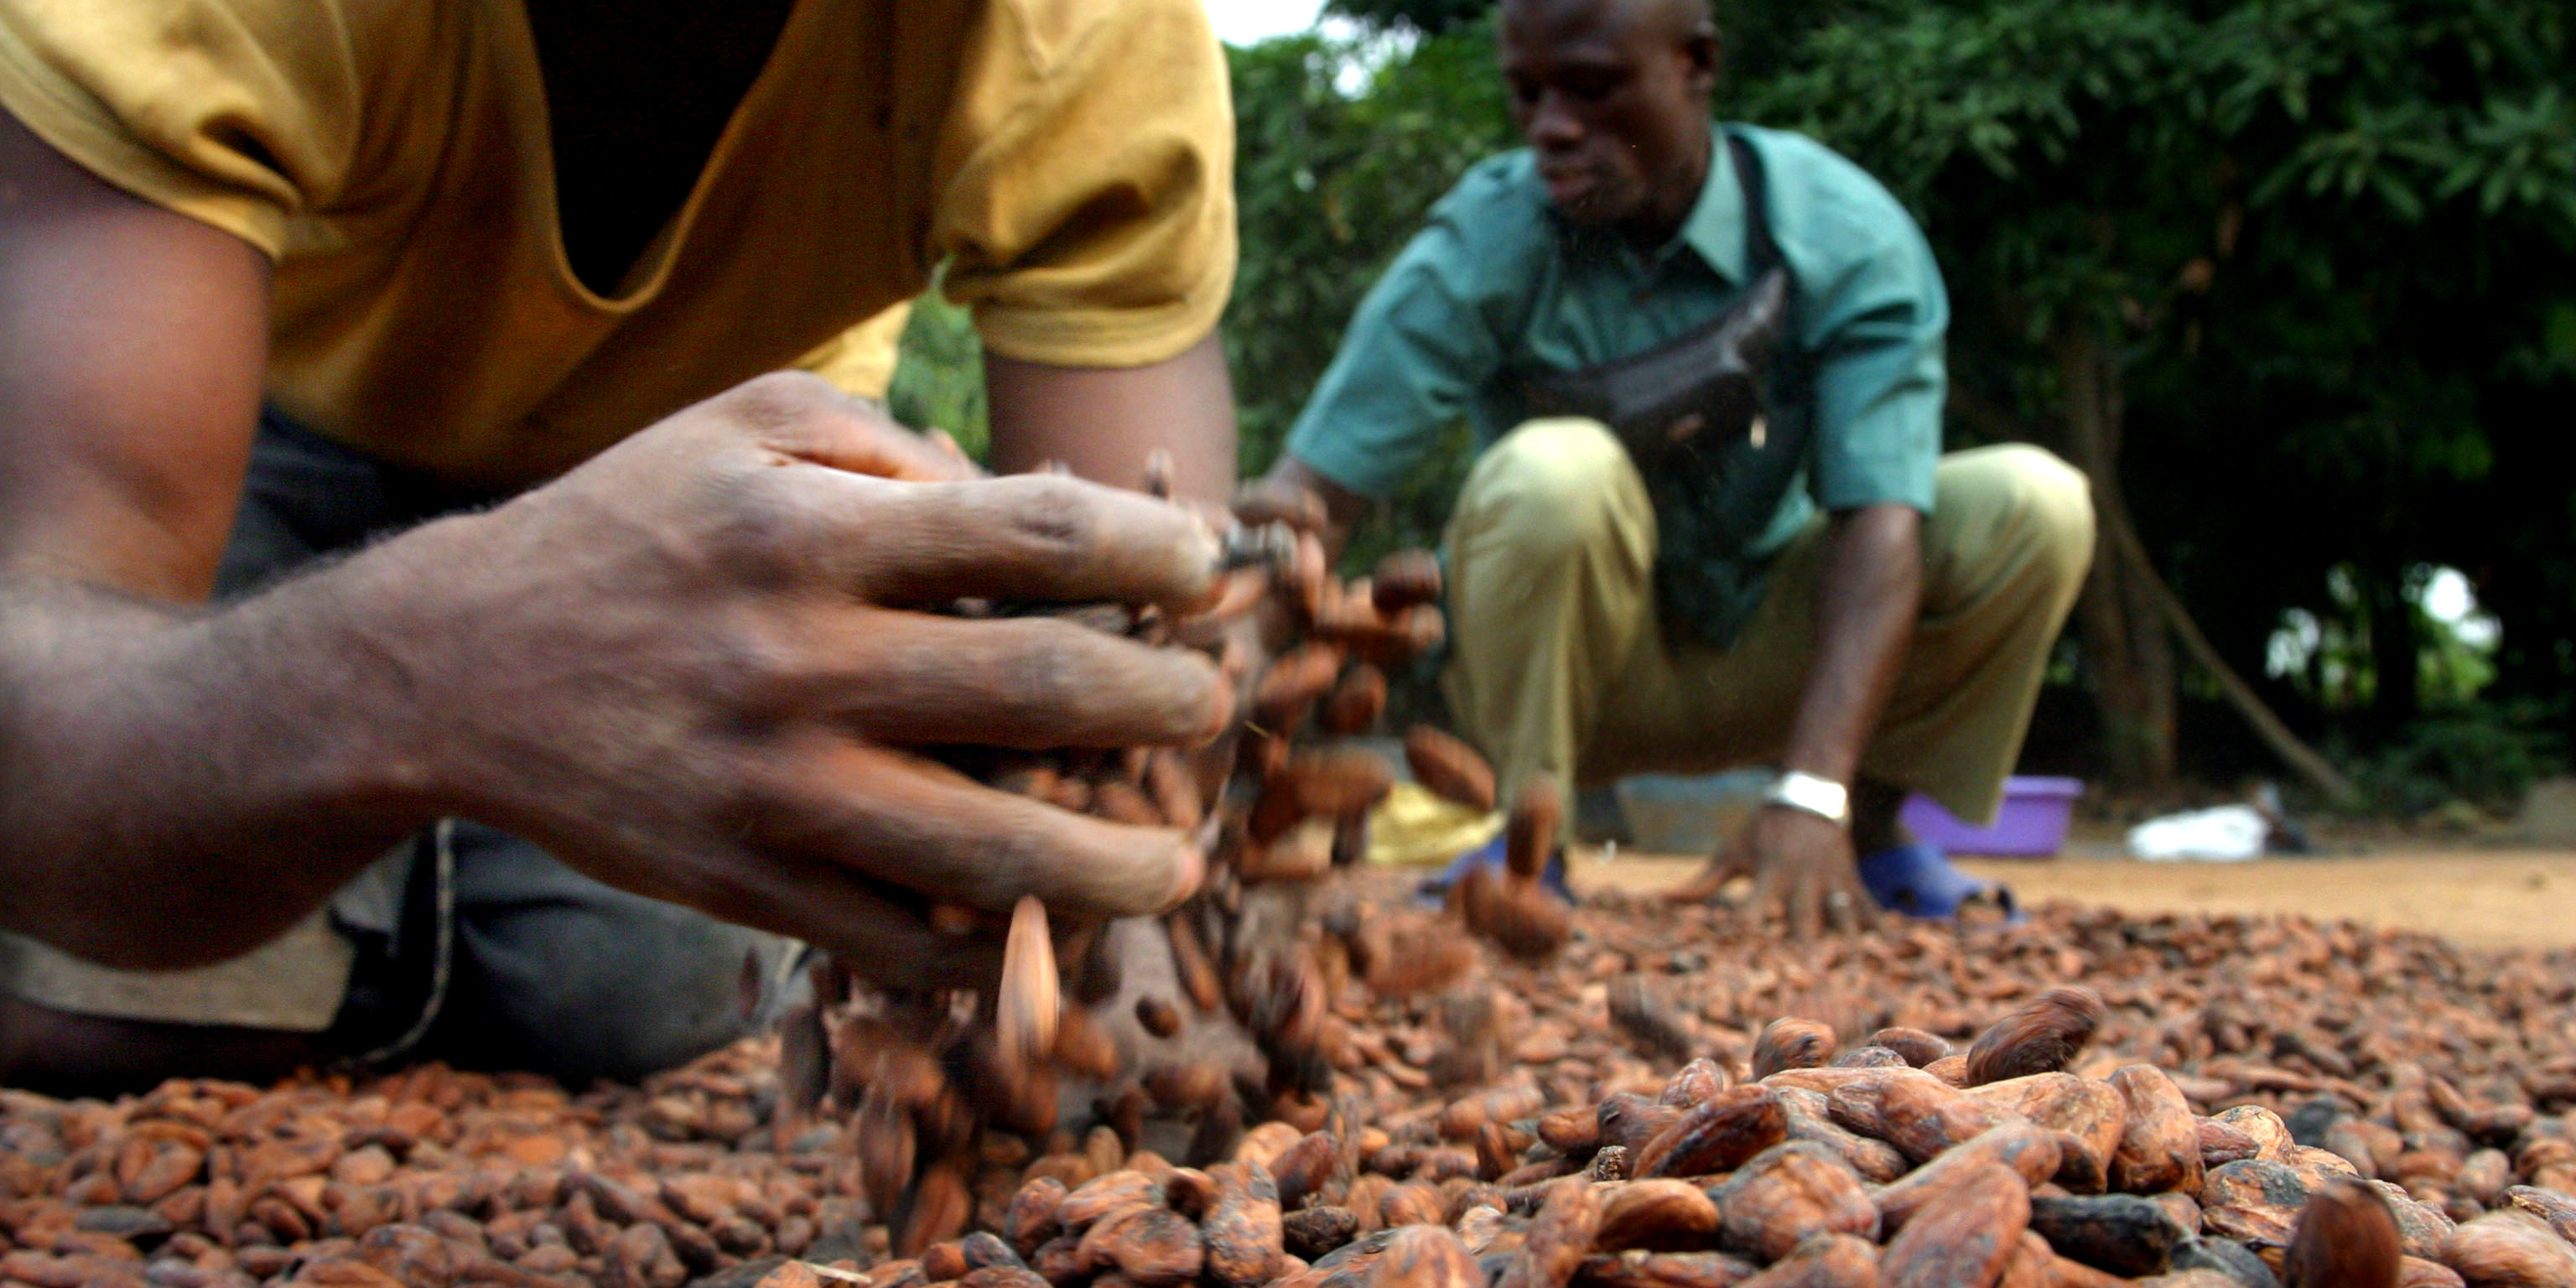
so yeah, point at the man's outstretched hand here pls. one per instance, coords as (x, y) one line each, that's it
(1802, 866)
(699, 667)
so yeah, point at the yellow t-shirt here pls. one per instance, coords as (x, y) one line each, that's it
(861, 360)
(1071, 159)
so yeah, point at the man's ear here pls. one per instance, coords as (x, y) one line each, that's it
(1706, 53)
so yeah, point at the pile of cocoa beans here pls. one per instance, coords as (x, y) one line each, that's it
(2255, 1097)
(1215, 1017)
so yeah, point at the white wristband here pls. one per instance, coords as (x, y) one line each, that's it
(1822, 797)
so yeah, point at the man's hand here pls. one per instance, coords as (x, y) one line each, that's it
(697, 667)
(1801, 864)
(1867, 595)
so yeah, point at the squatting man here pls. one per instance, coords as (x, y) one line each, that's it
(1710, 523)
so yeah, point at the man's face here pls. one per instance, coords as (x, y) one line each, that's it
(1612, 97)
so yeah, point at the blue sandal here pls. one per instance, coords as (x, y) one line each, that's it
(1919, 881)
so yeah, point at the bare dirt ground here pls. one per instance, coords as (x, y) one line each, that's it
(2483, 898)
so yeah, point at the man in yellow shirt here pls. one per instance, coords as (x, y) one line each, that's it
(500, 280)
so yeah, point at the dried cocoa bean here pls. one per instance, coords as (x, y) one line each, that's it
(2509, 1249)
(1449, 768)
(2121, 1233)
(1963, 1234)
(1424, 1256)
(1312, 1232)
(1716, 1136)
(2041, 1037)
(1243, 1228)
(1660, 1215)
(2345, 1238)
(1791, 1044)
(1790, 1193)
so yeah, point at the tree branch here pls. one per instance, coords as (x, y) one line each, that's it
(2301, 758)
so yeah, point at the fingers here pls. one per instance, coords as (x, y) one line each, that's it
(1806, 900)
(1271, 500)
(804, 416)
(917, 824)
(1846, 900)
(1025, 683)
(1027, 537)
(1704, 884)
(875, 931)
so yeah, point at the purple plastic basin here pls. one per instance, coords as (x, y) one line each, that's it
(2031, 824)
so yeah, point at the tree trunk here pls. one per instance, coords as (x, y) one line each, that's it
(2118, 621)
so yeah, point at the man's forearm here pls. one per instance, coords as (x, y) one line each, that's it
(1103, 422)
(177, 786)
(1867, 597)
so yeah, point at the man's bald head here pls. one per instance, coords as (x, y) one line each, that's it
(1676, 20)
(1612, 97)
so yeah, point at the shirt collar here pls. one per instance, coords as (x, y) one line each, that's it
(1714, 230)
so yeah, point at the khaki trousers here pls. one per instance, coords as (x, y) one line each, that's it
(1558, 660)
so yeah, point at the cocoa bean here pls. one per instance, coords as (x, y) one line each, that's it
(1962, 1235)
(1789, 1194)
(1791, 1044)
(1638, 1268)
(1558, 1240)
(1312, 1232)
(1827, 1261)
(1449, 767)
(2041, 1037)
(1918, 1047)
(2159, 1146)
(1717, 1135)
(1424, 1256)
(2121, 1233)
(1661, 1215)
(1243, 1229)
(2509, 1249)
(2345, 1238)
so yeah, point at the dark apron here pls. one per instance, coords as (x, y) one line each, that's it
(1688, 411)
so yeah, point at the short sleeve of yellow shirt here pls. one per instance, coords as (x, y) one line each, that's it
(1072, 161)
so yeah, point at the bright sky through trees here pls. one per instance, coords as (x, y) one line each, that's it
(1242, 22)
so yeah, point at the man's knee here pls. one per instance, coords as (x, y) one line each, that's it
(1551, 488)
(2032, 502)
(574, 978)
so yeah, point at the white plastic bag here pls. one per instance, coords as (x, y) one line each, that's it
(2224, 834)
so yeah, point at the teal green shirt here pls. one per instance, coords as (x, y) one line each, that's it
(1496, 286)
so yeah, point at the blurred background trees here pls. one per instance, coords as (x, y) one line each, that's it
(2293, 280)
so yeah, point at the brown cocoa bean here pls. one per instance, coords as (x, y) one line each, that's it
(1558, 1239)
(1962, 1235)
(1791, 1193)
(1424, 1256)
(1662, 1215)
(1716, 1136)
(1638, 1268)
(2345, 1238)
(1791, 1044)
(1242, 1229)
(1449, 768)
(2509, 1249)
(2041, 1037)
(2159, 1146)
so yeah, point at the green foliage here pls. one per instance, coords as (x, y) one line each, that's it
(939, 377)
(1343, 144)
(2331, 243)
(1430, 17)
(2486, 755)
